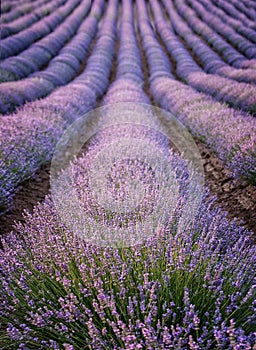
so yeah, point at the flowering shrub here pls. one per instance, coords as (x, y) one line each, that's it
(233, 22)
(210, 60)
(190, 289)
(242, 44)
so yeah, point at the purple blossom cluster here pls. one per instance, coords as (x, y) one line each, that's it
(28, 137)
(11, 10)
(42, 51)
(25, 21)
(61, 69)
(208, 120)
(18, 42)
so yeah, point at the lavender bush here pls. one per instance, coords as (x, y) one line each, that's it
(242, 44)
(190, 289)
(177, 289)
(238, 95)
(208, 59)
(250, 13)
(233, 22)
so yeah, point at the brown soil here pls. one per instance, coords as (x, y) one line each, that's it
(27, 196)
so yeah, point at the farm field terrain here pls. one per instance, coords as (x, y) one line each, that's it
(128, 174)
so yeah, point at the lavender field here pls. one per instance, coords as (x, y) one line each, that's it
(128, 174)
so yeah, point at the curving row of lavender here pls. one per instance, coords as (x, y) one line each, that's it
(244, 30)
(62, 68)
(11, 10)
(18, 42)
(236, 94)
(28, 137)
(42, 51)
(191, 289)
(27, 20)
(228, 132)
(219, 44)
(242, 44)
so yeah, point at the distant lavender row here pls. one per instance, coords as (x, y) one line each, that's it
(61, 69)
(233, 22)
(27, 20)
(250, 13)
(211, 61)
(250, 4)
(19, 10)
(224, 49)
(231, 134)
(242, 44)
(16, 43)
(28, 138)
(42, 51)
(232, 11)
(129, 76)
(239, 95)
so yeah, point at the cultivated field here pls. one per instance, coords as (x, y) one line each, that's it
(128, 174)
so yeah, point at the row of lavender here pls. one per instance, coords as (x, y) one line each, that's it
(244, 11)
(230, 133)
(11, 10)
(189, 290)
(205, 118)
(27, 20)
(232, 56)
(224, 89)
(62, 67)
(28, 137)
(16, 43)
